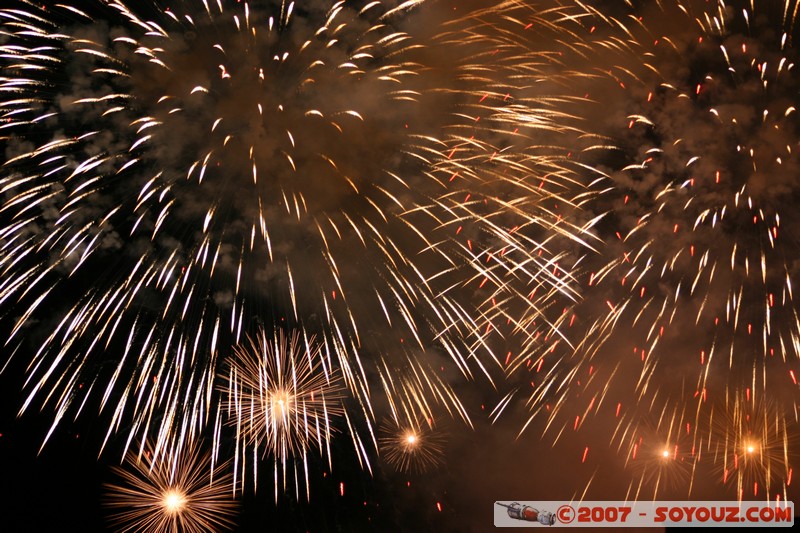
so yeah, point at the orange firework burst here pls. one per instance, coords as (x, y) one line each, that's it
(753, 446)
(660, 457)
(411, 446)
(170, 494)
(282, 395)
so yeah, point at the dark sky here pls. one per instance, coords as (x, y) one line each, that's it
(587, 208)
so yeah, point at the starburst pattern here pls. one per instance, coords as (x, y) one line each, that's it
(282, 397)
(414, 446)
(171, 493)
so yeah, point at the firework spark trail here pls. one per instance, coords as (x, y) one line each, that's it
(173, 493)
(696, 275)
(176, 175)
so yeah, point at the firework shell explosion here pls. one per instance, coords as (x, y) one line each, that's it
(282, 398)
(170, 491)
(415, 446)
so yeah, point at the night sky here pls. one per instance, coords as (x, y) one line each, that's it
(560, 237)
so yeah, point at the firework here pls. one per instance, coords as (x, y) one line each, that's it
(411, 446)
(660, 456)
(173, 493)
(690, 303)
(741, 442)
(582, 202)
(753, 444)
(282, 397)
(404, 197)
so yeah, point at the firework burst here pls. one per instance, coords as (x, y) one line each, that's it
(660, 455)
(596, 206)
(411, 446)
(172, 493)
(691, 300)
(175, 171)
(753, 444)
(282, 396)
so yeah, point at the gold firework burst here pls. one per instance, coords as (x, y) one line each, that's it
(173, 493)
(282, 396)
(411, 445)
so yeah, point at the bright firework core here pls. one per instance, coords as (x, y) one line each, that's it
(282, 405)
(173, 501)
(413, 446)
(171, 493)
